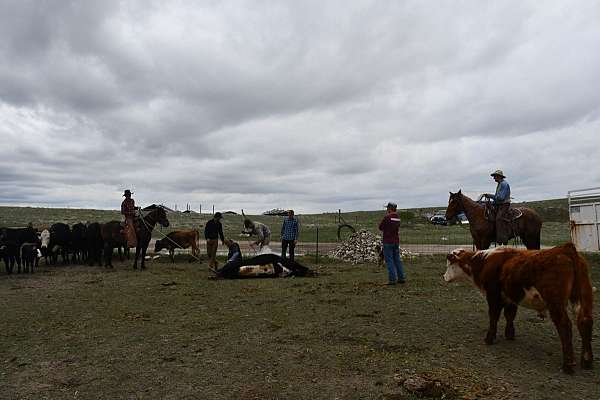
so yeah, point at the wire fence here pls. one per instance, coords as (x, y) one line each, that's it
(417, 240)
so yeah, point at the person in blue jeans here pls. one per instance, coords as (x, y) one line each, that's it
(390, 224)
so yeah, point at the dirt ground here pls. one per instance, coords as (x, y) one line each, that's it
(75, 332)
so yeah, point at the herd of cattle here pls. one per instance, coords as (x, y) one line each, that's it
(80, 243)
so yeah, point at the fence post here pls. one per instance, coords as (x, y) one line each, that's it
(317, 251)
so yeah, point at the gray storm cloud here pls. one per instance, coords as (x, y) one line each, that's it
(310, 105)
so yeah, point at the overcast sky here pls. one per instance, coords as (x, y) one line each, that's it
(315, 105)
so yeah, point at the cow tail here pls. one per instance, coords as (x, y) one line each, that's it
(582, 292)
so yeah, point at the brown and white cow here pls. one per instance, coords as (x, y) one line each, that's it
(179, 240)
(544, 280)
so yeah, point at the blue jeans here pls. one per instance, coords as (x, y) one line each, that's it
(391, 253)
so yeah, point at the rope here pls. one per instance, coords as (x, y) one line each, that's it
(150, 229)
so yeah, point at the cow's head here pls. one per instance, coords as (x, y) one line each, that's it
(45, 238)
(458, 266)
(159, 245)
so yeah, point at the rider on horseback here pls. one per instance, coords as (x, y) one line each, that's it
(501, 203)
(128, 209)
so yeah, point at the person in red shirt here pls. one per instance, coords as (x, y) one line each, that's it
(390, 225)
(128, 211)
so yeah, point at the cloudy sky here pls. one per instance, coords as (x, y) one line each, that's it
(306, 104)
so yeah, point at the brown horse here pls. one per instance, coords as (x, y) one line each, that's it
(144, 227)
(528, 226)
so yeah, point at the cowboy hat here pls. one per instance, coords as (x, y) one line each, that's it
(127, 192)
(498, 172)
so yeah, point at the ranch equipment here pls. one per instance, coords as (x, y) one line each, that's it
(584, 216)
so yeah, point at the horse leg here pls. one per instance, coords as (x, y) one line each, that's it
(143, 261)
(172, 254)
(137, 254)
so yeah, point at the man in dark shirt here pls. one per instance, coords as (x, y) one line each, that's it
(212, 232)
(390, 225)
(128, 210)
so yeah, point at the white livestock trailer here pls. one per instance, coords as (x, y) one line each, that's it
(584, 214)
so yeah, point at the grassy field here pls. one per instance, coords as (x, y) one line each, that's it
(172, 333)
(415, 227)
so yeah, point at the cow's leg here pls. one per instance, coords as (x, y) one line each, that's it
(584, 325)
(108, 250)
(494, 311)
(561, 320)
(120, 253)
(510, 312)
(172, 254)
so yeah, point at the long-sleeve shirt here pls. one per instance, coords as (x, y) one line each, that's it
(502, 193)
(389, 225)
(261, 231)
(128, 208)
(290, 229)
(213, 230)
(234, 254)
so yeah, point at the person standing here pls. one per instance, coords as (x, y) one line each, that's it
(128, 211)
(212, 232)
(390, 225)
(290, 230)
(501, 203)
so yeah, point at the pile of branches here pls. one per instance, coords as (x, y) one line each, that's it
(363, 247)
(276, 211)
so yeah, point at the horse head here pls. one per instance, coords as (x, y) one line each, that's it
(158, 214)
(455, 205)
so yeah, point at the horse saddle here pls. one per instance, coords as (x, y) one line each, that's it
(512, 214)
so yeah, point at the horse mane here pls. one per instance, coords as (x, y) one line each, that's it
(152, 207)
(467, 198)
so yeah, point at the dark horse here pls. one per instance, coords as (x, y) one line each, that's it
(144, 227)
(528, 226)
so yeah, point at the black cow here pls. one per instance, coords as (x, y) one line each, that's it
(94, 244)
(30, 255)
(112, 236)
(60, 242)
(11, 240)
(78, 243)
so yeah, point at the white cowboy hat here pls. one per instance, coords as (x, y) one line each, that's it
(498, 172)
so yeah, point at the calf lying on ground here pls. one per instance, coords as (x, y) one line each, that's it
(179, 240)
(263, 266)
(538, 279)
